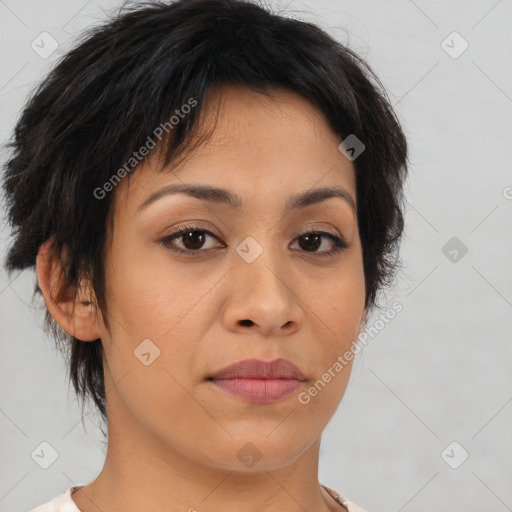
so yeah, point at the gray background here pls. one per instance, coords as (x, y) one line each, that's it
(440, 371)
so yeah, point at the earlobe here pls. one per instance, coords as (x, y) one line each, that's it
(78, 316)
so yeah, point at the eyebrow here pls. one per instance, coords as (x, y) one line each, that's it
(225, 197)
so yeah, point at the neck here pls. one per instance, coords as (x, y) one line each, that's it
(143, 473)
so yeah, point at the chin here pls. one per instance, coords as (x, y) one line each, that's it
(254, 454)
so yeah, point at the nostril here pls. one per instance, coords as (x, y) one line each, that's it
(246, 322)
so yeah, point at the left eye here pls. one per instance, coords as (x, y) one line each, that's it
(313, 238)
(193, 239)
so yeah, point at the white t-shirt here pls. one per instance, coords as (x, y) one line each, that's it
(64, 502)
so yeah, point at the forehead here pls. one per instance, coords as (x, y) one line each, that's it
(263, 148)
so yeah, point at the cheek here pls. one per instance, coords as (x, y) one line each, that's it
(335, 310)
(149, 345)
(150, 352)
(337, 306)
(150, 293)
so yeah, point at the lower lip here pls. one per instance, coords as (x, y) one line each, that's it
(261, 391)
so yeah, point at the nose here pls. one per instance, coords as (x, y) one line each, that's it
(263, 297)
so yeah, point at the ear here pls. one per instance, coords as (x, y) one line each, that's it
(78, 317)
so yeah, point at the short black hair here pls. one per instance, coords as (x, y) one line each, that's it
(128, 76)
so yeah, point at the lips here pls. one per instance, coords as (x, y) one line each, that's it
(257, 369)
(258, 381)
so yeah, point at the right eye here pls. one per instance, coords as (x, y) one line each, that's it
(192, 238)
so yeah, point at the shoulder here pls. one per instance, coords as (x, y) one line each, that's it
(61, 503)
(349, 505)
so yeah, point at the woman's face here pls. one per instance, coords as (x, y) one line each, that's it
(257, 287)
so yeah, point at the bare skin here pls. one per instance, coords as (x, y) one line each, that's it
(174, 436)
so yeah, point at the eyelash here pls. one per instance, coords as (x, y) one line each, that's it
(339, 243)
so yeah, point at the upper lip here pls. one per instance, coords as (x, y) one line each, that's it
(257, 369)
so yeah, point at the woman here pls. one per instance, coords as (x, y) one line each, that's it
(211, 195)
